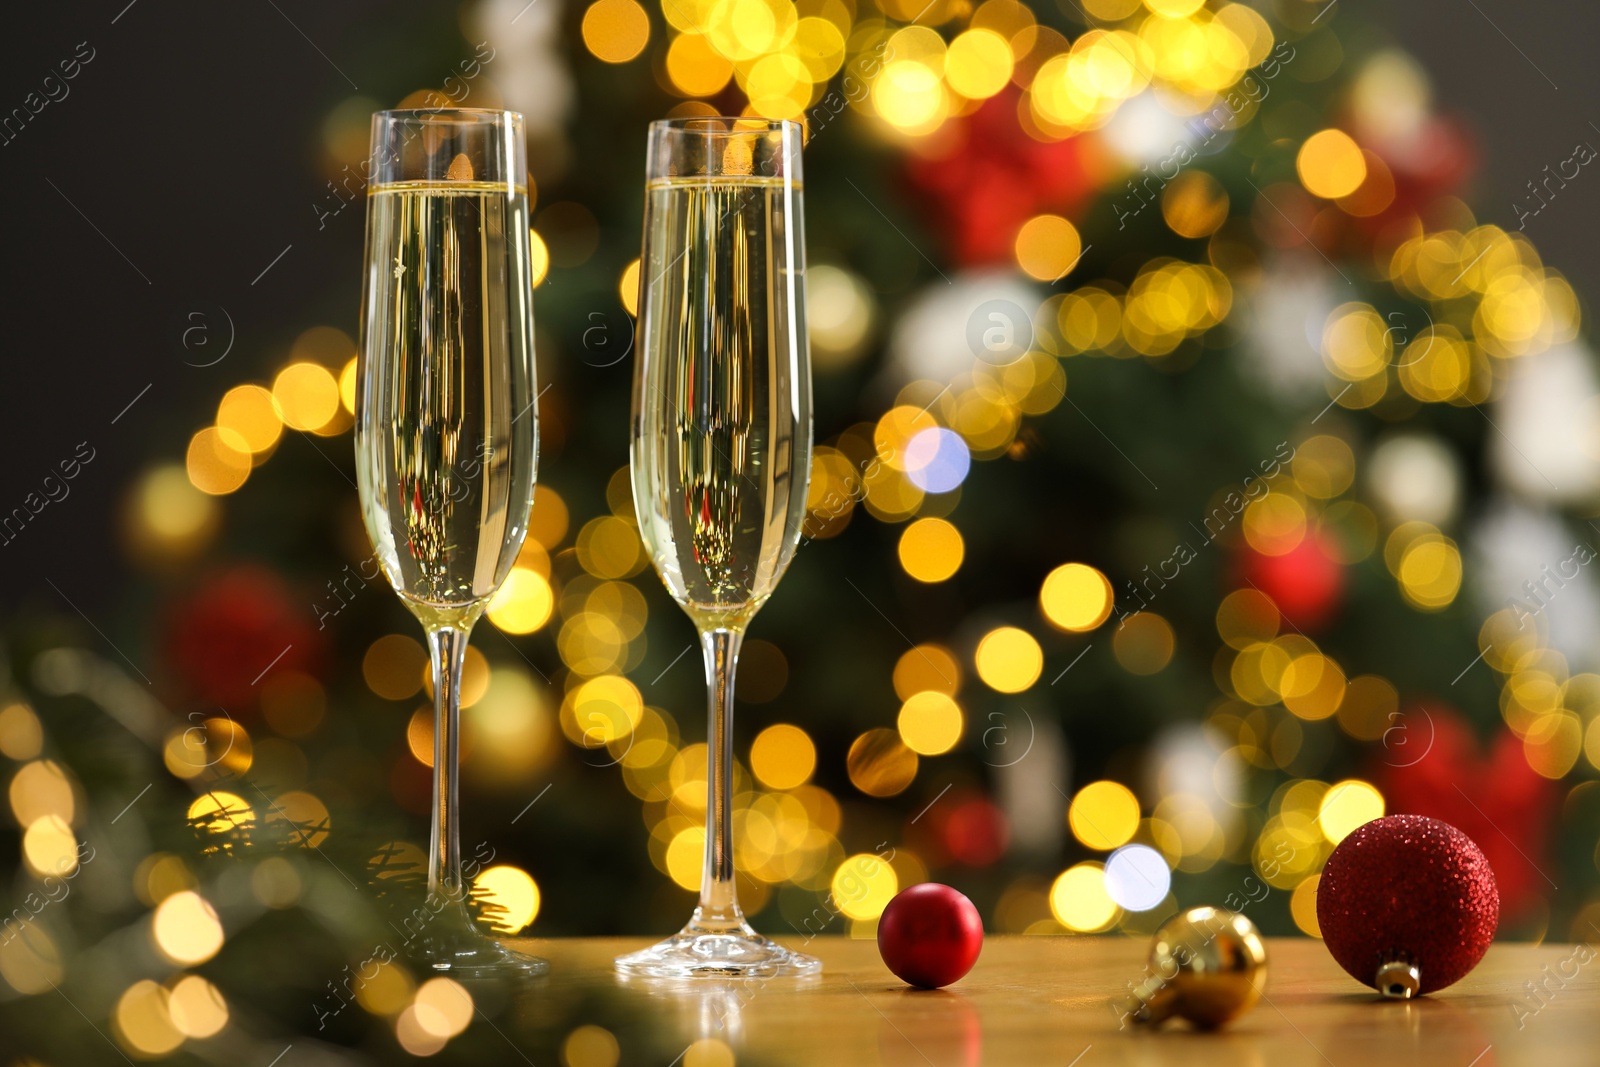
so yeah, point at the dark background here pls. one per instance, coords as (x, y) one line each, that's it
(189, 144)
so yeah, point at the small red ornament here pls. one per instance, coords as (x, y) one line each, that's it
(1433, 764)
(224, 638)
(965, 827)
(930, 935)
(982, 176)
(1306, 582)
(1407, 904)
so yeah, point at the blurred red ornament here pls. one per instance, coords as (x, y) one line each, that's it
(1305, 582)
(1428, 166)
(930, 935)
(984, 176)
(411, 784)
(1407, 904)
(970, 830)
(223, 639)
(1432, 765)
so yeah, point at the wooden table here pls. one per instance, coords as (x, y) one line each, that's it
(1044, 1001)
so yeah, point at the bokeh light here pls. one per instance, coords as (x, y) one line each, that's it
(393, 666)
(685, 858)
(978, 64)
(347, 385)
(1008, 660)
(41, 788)
(628, 285)
(783, 757)
(601, 710)
(215, 463)
(1346, 806)
(930, 723)
(159, 875)
(210, 743)
(1331, 164)
(168, 518)
(1303, 906)
(186, 928)
(514, 895)
(708, 1052)
(1430, 572)
(880, 764)
(221, 812)
(248, 415)
(1137, 877)
(926, 667)
(1047, 247)
(142, 1021)
(609, 547)
(841, 311)
(21, 736)
(1143, 643)
(197, 1008)
(30, 962)
(50, 847)
(276, 882)
(538, 258)
(1247, 617)
(306, 817)
(1357, 343)
(416, 1037)
(763, 672)
(931, 550)
(695, 67)
(1275, 524)
(590, 1046)
(615, 31)
(937, 460)
(306, 395)
(444, 1007)
(910, 96)
(523, 602)
(1104, 815)
(1079, 899)
(1324, 466)
(1194, 204)
(863, 886)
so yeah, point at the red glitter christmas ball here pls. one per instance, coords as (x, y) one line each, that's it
(930, 935)
(1411, 890)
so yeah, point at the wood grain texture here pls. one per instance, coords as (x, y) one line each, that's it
(1039, 1001)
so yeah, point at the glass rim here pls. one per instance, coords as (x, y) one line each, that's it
(412, 113)
(751, 125)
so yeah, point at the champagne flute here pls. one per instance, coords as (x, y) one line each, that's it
(446, 434)
(721, 448)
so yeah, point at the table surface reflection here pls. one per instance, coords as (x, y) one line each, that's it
(1046, 1001)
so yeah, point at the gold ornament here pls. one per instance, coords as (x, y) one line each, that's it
(1207, 965)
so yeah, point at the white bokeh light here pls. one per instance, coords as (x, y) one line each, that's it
(937, 460)
(1137, 878)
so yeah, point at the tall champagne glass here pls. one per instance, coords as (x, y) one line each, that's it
(721, 448)
(446, 432)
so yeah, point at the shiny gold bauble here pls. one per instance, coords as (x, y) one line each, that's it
(1207, 965)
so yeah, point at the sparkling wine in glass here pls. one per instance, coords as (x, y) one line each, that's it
(446, 433)
(721, 448)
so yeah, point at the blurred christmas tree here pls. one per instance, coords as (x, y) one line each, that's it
(1197, 478)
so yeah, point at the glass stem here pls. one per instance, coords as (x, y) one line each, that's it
(719, 904)
(448, 647)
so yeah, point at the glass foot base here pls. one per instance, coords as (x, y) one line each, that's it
(487, 959)
(454, 945)
(738, 953)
